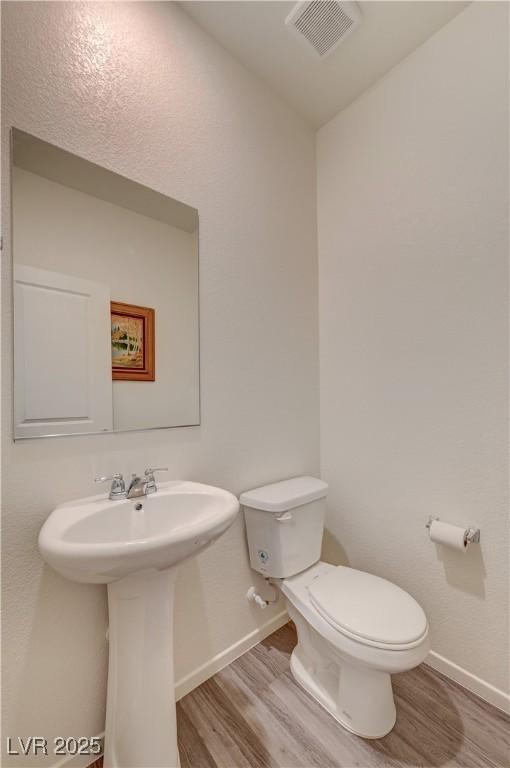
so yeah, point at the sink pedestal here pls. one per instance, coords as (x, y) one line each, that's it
(141, 729)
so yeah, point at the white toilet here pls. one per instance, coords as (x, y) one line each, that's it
(354, 629)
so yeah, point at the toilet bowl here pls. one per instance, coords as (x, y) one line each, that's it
(348, 673)
(354, 629)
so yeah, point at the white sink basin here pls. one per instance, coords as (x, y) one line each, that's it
(134, 546)
(98, 540)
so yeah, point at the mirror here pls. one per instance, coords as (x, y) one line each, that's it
(105, 271)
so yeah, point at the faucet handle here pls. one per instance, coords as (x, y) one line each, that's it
(116, 476)
(150, 471)
(151, 482)
(117, 488)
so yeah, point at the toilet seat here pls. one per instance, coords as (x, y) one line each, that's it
(368, 609)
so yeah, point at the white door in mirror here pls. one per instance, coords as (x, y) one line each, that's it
(62, 363)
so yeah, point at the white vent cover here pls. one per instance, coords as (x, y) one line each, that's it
(323, 24)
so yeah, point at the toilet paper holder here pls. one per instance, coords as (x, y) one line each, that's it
(471, 535)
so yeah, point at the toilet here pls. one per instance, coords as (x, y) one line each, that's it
(354, 629)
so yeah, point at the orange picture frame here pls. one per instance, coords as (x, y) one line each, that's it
(133, 342)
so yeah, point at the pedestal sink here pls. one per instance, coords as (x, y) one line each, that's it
(134, 546)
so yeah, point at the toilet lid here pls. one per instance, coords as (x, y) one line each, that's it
(368, 608)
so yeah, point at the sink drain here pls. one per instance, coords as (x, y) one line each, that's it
(138, 506)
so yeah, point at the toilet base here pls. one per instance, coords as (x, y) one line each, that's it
(358, 697)
(385, 711)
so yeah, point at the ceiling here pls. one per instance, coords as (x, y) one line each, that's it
(255, 33)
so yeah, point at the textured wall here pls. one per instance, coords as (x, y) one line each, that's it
(413, 246)
(140, 89)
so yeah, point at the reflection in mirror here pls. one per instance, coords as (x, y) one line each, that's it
(105, 299)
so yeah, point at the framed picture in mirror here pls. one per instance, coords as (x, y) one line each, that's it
(133, 342)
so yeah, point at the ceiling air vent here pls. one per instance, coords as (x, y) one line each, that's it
(322, 25)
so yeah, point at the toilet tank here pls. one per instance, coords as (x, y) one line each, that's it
(284, 525)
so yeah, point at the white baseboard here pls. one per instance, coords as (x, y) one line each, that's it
(226, 657)
(475, 684)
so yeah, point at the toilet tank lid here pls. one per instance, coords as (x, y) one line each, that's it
(287, 494)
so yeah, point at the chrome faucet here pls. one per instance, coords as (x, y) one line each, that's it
(143, 486)
(139, 486)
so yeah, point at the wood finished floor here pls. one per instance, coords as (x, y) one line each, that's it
(253, 715)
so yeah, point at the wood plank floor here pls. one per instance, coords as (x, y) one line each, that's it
(253, 715)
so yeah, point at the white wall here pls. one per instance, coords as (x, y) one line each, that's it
(139, 88)
(144, 262)
(413, 228)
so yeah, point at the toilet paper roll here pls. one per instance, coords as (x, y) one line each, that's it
(449, 535)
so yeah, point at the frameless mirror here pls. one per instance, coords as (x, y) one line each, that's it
(106, 334)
